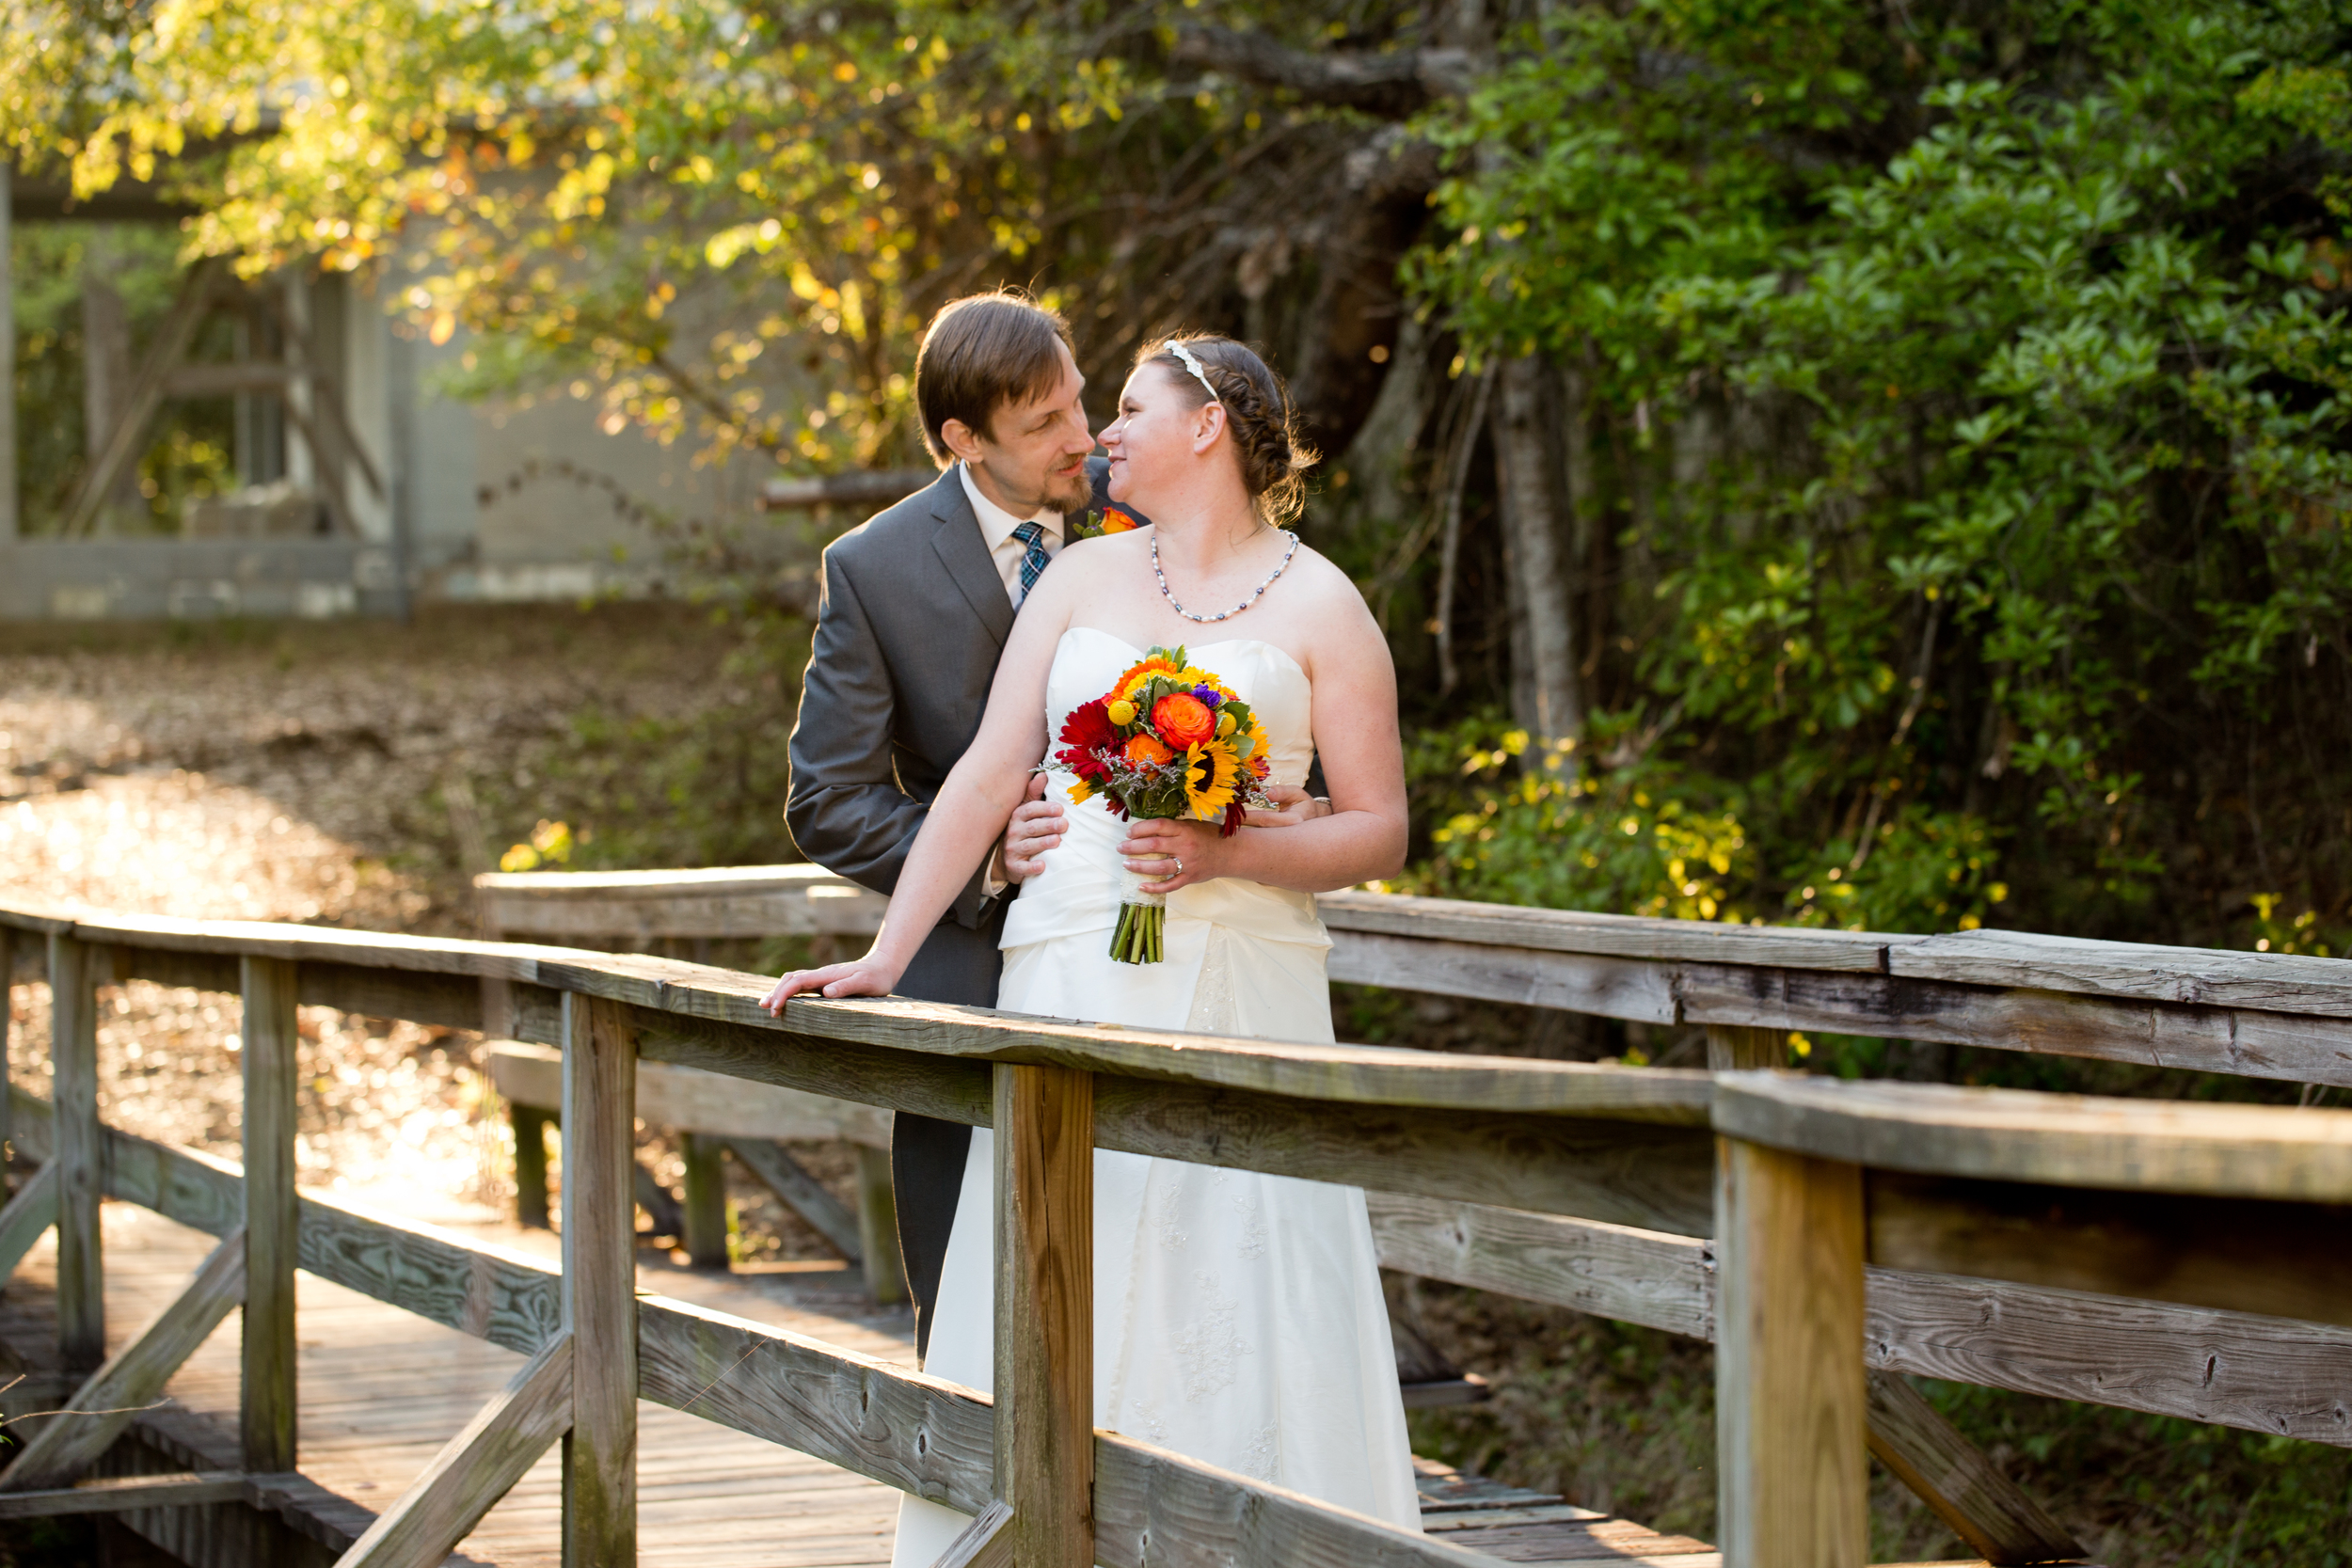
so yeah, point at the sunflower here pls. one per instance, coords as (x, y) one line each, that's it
(1212, 778)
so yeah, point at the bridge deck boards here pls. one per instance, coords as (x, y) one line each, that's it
(381, 1390)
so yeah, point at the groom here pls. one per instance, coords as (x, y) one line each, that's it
(915, 606)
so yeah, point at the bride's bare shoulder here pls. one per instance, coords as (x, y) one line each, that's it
(1325, 591)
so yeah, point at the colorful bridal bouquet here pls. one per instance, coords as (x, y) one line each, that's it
(1166, 741)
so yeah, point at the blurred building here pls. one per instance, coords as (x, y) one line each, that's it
(362, 484)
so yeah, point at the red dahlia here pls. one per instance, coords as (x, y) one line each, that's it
(1085, 736)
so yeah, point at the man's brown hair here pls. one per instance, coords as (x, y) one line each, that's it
(982, 353)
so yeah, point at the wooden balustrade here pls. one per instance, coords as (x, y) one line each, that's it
(1856, 1227)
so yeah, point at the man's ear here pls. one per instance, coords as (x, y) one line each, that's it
(961, 440)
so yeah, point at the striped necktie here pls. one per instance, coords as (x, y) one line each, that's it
(1033, 559)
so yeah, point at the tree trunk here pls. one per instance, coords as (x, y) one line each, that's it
(1545, 698)
(105, 365)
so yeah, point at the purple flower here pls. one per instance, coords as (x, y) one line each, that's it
(1210, 696)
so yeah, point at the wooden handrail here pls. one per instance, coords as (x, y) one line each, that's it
(1824, 1182)
(2261, 1015)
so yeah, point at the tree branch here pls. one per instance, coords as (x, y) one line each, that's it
(1391, 85)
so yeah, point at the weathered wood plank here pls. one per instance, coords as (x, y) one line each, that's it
(692, 1100)
(351, 984)
(1044, 1314)
(475, 1468)
(1789, 1389)
(986, 1543)
(1576, 982)
(1640, 1276)
(878, 1229)
(2297, 982)
(705, 1201)
(73, 969)
(2243, 1255)
(803, 1194)
(2288, 1378)
(917, 1434)
(2260, 1151)
(736, 901)
(325, 944)
(949, 1091)
(1659, 1178)
(1153, 1508)
(271, 1066)
(2153, 1034)
(599, 1284)
(213, 972)
(32, 1210)
(1333, 1073)
(122, 1494)
(68, 1442)
(1616, 935)
(1966, 1490)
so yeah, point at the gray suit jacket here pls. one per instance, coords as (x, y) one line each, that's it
(911, 620)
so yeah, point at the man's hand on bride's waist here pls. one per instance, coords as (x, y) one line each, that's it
(1036, 827)
(1291, 806)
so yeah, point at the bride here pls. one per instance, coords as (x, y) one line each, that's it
(1238, 1316)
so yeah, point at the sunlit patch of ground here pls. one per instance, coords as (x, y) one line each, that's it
(301, 773)
(179, 843)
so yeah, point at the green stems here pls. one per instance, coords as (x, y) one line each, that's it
(1135, 940)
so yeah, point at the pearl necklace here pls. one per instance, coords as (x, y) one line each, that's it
(1253, 598)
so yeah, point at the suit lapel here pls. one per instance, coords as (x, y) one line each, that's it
(962, 550)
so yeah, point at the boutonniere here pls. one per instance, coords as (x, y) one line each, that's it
(1110, 519)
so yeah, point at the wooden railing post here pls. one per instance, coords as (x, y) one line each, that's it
(79, 1151)
(1044, 1395)
(599, 1293)
(1790, 1399)
(1733, 1047)
(706, 1205)
(878, 1229)
(7, 1006)
(531, 1163)
(267, 1410)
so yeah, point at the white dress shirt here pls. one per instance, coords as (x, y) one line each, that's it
(996, 526)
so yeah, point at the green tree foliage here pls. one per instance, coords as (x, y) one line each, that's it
(1993, 361)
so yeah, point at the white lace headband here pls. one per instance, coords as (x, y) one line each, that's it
(1194, 366)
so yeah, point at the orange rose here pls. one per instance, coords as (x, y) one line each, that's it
(1146, 748)
(1184, 720)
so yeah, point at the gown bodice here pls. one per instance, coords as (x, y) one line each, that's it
(1080, 889)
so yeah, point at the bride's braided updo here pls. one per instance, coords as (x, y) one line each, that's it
(1258, 415)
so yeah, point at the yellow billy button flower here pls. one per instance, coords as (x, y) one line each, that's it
(1122, 713)
(1226, 724)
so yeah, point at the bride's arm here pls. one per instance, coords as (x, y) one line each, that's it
(971, 807)
(1355, 725)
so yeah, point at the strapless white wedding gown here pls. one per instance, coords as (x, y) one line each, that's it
(1238, 1317)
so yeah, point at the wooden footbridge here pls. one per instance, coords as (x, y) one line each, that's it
(2190, 1259)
